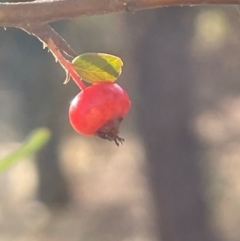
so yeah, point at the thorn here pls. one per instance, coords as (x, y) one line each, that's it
(67, 78)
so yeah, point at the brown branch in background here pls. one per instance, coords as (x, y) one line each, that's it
(15, 14)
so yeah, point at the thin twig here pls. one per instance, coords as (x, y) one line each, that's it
(46, 36)
(44, 32)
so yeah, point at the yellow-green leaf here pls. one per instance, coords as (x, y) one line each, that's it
(96, 67)
(33, 143)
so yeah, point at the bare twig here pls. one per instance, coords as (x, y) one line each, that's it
(52, 41)
(44, 32)
(15, 14)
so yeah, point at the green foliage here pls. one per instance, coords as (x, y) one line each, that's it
(37, 139)
(95, 67)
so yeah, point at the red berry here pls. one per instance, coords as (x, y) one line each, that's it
(99, 110)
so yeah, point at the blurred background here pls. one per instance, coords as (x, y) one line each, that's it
(175, 178)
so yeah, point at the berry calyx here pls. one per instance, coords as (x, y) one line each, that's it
(99, 110)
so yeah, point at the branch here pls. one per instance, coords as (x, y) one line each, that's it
(44, 11)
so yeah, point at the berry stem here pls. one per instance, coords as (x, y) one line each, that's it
(67, 65)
